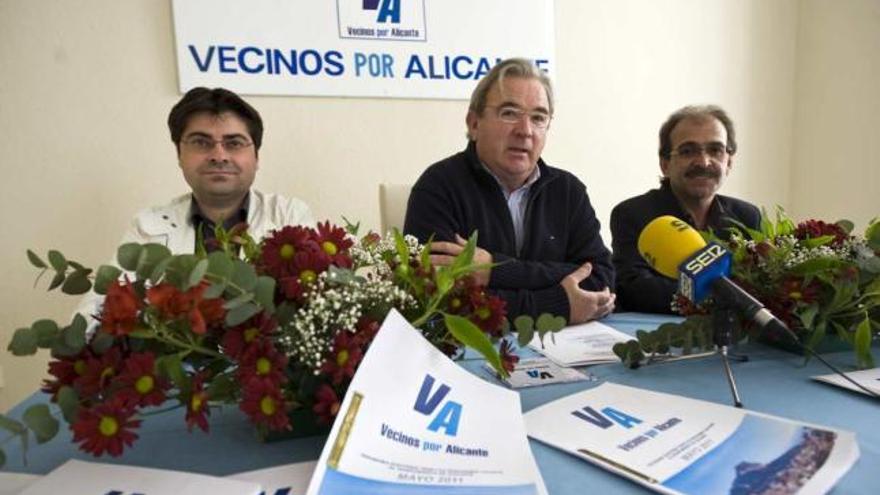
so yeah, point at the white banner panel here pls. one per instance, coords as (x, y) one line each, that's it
(384, 48)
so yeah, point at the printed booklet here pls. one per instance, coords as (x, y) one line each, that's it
(869, 379)
(414, 422)
(581, 345)
(538, 371)
(674, 444)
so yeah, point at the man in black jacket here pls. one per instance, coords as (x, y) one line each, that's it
(534, 222)
(697, 144)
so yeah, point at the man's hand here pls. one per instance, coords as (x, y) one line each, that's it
(442, 254)
(585, 305)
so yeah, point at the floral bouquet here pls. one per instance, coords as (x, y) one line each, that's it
(275, 327)
(817, 277)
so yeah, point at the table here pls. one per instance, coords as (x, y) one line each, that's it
(773, 382)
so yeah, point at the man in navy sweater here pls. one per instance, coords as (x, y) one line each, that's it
(534, 222)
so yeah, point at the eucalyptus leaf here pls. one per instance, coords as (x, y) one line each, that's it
(106, 275)
(57, 280)
(128, 255)
(11, 425)
(264, 293)
(77, 283)
(470, 335)
(46, 331)
(57, 260)
(525, 328)
(215, 290)
(101, 342)
(219, 264)
(549, 323)
(238, 301)
(197, 274)
(75, 337)
(24, 342)
(241, 314)
(243, 275)
(150, 256)
(171, 366)
(35, 260)
(160, 270)
(40, 421)
(68, 401)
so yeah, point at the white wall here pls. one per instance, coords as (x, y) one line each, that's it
(86, 87)
(836, 168)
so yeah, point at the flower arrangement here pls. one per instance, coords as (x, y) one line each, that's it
(274, 327)
(817, 277)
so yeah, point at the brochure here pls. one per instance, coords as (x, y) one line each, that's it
(289, 479)
(414, 422)
(537, 371)
(76, 477)
(581, 345)
(869, 379)
(674, 444)
(14, 483)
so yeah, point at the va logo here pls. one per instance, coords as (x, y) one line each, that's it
(428, 401)
(117, 492)
(543, 375)
(389, 10)
(606, 418)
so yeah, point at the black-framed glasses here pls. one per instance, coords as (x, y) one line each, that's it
(510, 114)
(204, 144)
(715, 151)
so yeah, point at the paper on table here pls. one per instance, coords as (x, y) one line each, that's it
(289, 479)
(538, 371)
(869, 379)
(580, 345)
(76, 477)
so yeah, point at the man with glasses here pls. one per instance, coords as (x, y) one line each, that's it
(697, 145)
(534, 222)
(217, 136)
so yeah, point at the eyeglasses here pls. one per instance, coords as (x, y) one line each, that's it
(715, 151)
(204, 144)
(513, 115)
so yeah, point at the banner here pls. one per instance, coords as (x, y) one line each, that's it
(413, 422)
(374, 48)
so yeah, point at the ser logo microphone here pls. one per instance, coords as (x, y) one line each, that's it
(697, 272)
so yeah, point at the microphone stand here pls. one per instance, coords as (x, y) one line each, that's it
(724, 324)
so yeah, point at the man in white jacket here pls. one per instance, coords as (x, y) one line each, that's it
(218, 137)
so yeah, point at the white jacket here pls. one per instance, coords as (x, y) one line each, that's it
(171, 225)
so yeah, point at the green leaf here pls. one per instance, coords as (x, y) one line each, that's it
(77, 283)
(160, 270)
(863, 344)
(549, 323)
(846, 225)
(11, 425)
(171, 366)
(150, 256)
(75, 335)
(470, 335)
(244, 276)
(101, 342)
(525, 329)
(815, 242)
(197, 274)
(128, 255)
(222, 387)
(40, 421)
(46, 331)
(106, 275)
(24, 342)
(35, 260)
(2, 458)
(57, 260)
(219, 264)
(68, 401)
(808, 315)
(241, 314)
(57, 280)
(215, 290)
(264, 293)
(238, 301)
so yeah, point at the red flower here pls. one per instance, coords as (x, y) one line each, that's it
(65, 370)
(173, 304)
(278, 255)
(487, 311)
(105, 428)
(327, 404)
(508, 357)
(120, 311)
(795, 290)
(140, 384)
(341, 363)
(262, 362)
(335, 244)
(237, 340)
(197, 410)
(264, 404)
(365, 331)
(98, 372)
(817, 228)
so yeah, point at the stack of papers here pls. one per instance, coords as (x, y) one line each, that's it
(538, 371)
(674, 444)
(870, 379)
(581, 345)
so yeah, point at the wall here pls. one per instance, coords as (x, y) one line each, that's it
(86, 87)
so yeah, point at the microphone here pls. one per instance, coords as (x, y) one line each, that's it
(674, 249)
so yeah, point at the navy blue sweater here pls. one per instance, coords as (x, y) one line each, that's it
(458, 196)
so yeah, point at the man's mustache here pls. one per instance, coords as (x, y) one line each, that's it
(708, 172)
